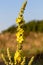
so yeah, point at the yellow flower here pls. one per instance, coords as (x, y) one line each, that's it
(19, 59)
(17, 56)
(19, 19)
(17, 34)
(20, 39)
(21, 31)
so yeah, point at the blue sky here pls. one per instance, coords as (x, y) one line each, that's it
(9, 10)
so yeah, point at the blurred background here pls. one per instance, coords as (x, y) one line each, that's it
(33, 27)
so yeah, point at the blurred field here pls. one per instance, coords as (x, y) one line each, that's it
(33, 44)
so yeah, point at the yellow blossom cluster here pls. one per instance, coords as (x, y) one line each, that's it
(17, 56)
(20, 22)
(19, 19)
(19, 35)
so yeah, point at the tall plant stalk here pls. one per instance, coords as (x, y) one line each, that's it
(20, 35)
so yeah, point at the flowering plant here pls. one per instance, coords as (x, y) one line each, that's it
(19, 58)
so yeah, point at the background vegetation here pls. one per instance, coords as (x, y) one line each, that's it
(31, 26)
